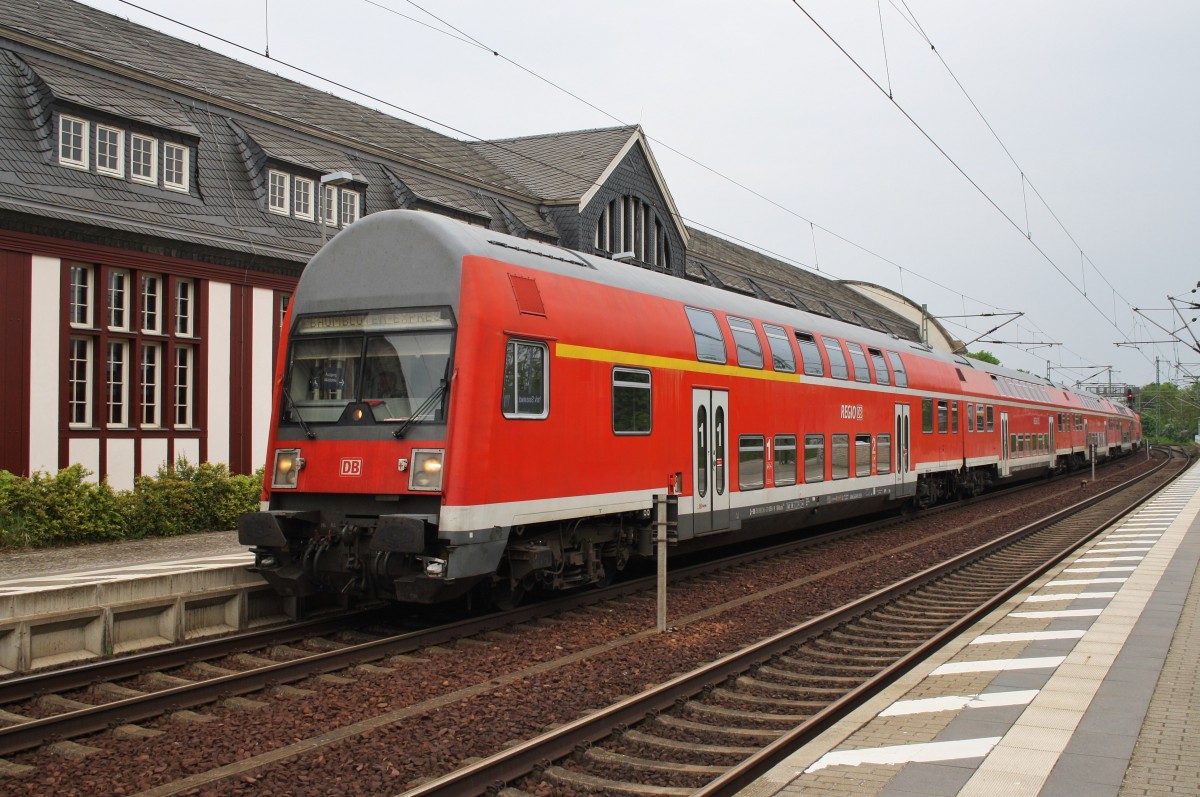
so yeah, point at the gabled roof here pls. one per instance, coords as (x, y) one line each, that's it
(559, 167)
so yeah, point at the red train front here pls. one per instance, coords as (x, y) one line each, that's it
(457, 408)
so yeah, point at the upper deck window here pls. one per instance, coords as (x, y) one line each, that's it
(782, 358)
(862, 372)
(881, 370)
(898, 369)
(710, 345)
(746, 343)
(837, 359)
(810, 353)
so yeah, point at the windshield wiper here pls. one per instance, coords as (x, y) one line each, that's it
(421, 410)
(309, 433)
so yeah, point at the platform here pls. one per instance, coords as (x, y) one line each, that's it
(1084, 685)
(64, 605)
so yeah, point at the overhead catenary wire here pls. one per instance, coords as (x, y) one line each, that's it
(466, 38)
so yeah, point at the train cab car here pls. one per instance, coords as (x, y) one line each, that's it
(458, 409)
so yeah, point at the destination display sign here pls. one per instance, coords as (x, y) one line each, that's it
(376, 321)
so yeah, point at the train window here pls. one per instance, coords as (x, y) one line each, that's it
(710, 345)
(810, 354)
(970, 417)
(1015, 443)
(746, 343)
(943, 414)
(702, 451)
(631, 401)
(840, 456)
(991, 416)
(862, 455)
(881, 370)
(898, 369)
(526, 380)
(785, 459)
(954, 417)
(782, 357)
(979, 417)
(751, 461)
(883, 453)
(814, 458)
(837, 359)
(862, 372)
(927, 415)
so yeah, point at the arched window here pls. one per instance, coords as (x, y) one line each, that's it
(627, 224)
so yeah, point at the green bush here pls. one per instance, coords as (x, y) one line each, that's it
(66, 508)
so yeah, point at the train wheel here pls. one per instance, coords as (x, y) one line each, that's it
(506, 596)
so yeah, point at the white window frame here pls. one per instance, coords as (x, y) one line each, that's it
(81, 296)
(184, 158)
(149, 148)
(184, 297)
(116, 373)
(79, 373)
(183, 382)
(118, 299)
(348, 207)
(278, 192)
(106, 137)
(79, 141)
(302, 198)
(330, 206)
(512, 354)
(150, 308)
(150, 384)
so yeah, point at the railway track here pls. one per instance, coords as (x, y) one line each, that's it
(714, 730)
(322, 655)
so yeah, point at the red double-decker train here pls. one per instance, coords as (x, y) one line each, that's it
(459, 409)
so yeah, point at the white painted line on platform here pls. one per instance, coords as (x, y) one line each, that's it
(1100, 569)
(1093, 560)
(999, 665)
(907, 753)
(1067, 596)
(1027, 636)
(1062, 615)
(902, 708)
(1083, 582)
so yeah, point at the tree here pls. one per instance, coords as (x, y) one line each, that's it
(985, 356)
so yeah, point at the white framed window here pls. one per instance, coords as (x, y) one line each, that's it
(81, 296)
(151, 378)
(183, 307)
(79, 382)
(151, 303)
(73, 142)
(526, 387)
(143, 159)
(182, 384)
(118, 299)
(117, 373)
(329, 205)
(277, 199)
(349, 207)
(110, 151)
(302, 198)
(175, 167)
(285, 299)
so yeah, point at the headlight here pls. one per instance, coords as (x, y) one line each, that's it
(426, 471)
(288, 464)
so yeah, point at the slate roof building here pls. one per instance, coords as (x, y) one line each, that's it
(158, 202)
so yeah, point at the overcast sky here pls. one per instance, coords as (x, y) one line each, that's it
(768, 133)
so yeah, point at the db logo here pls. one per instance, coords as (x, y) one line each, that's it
(351, 467)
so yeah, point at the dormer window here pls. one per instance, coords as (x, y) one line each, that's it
(302, 198)
(279, 192)
(627, 224)
(72, 142)
(104, 148)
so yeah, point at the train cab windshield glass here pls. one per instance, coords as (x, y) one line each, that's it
(393, 362)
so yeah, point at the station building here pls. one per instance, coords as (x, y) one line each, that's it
(158, 202)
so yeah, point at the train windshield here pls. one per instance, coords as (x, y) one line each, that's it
(396, 373)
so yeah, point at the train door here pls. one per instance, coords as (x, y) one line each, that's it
(906, 479)
(710, 444)
(1004, 447)
(1053, 449)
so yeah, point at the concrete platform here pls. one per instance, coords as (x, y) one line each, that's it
(1085, 685)
(66, 605)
